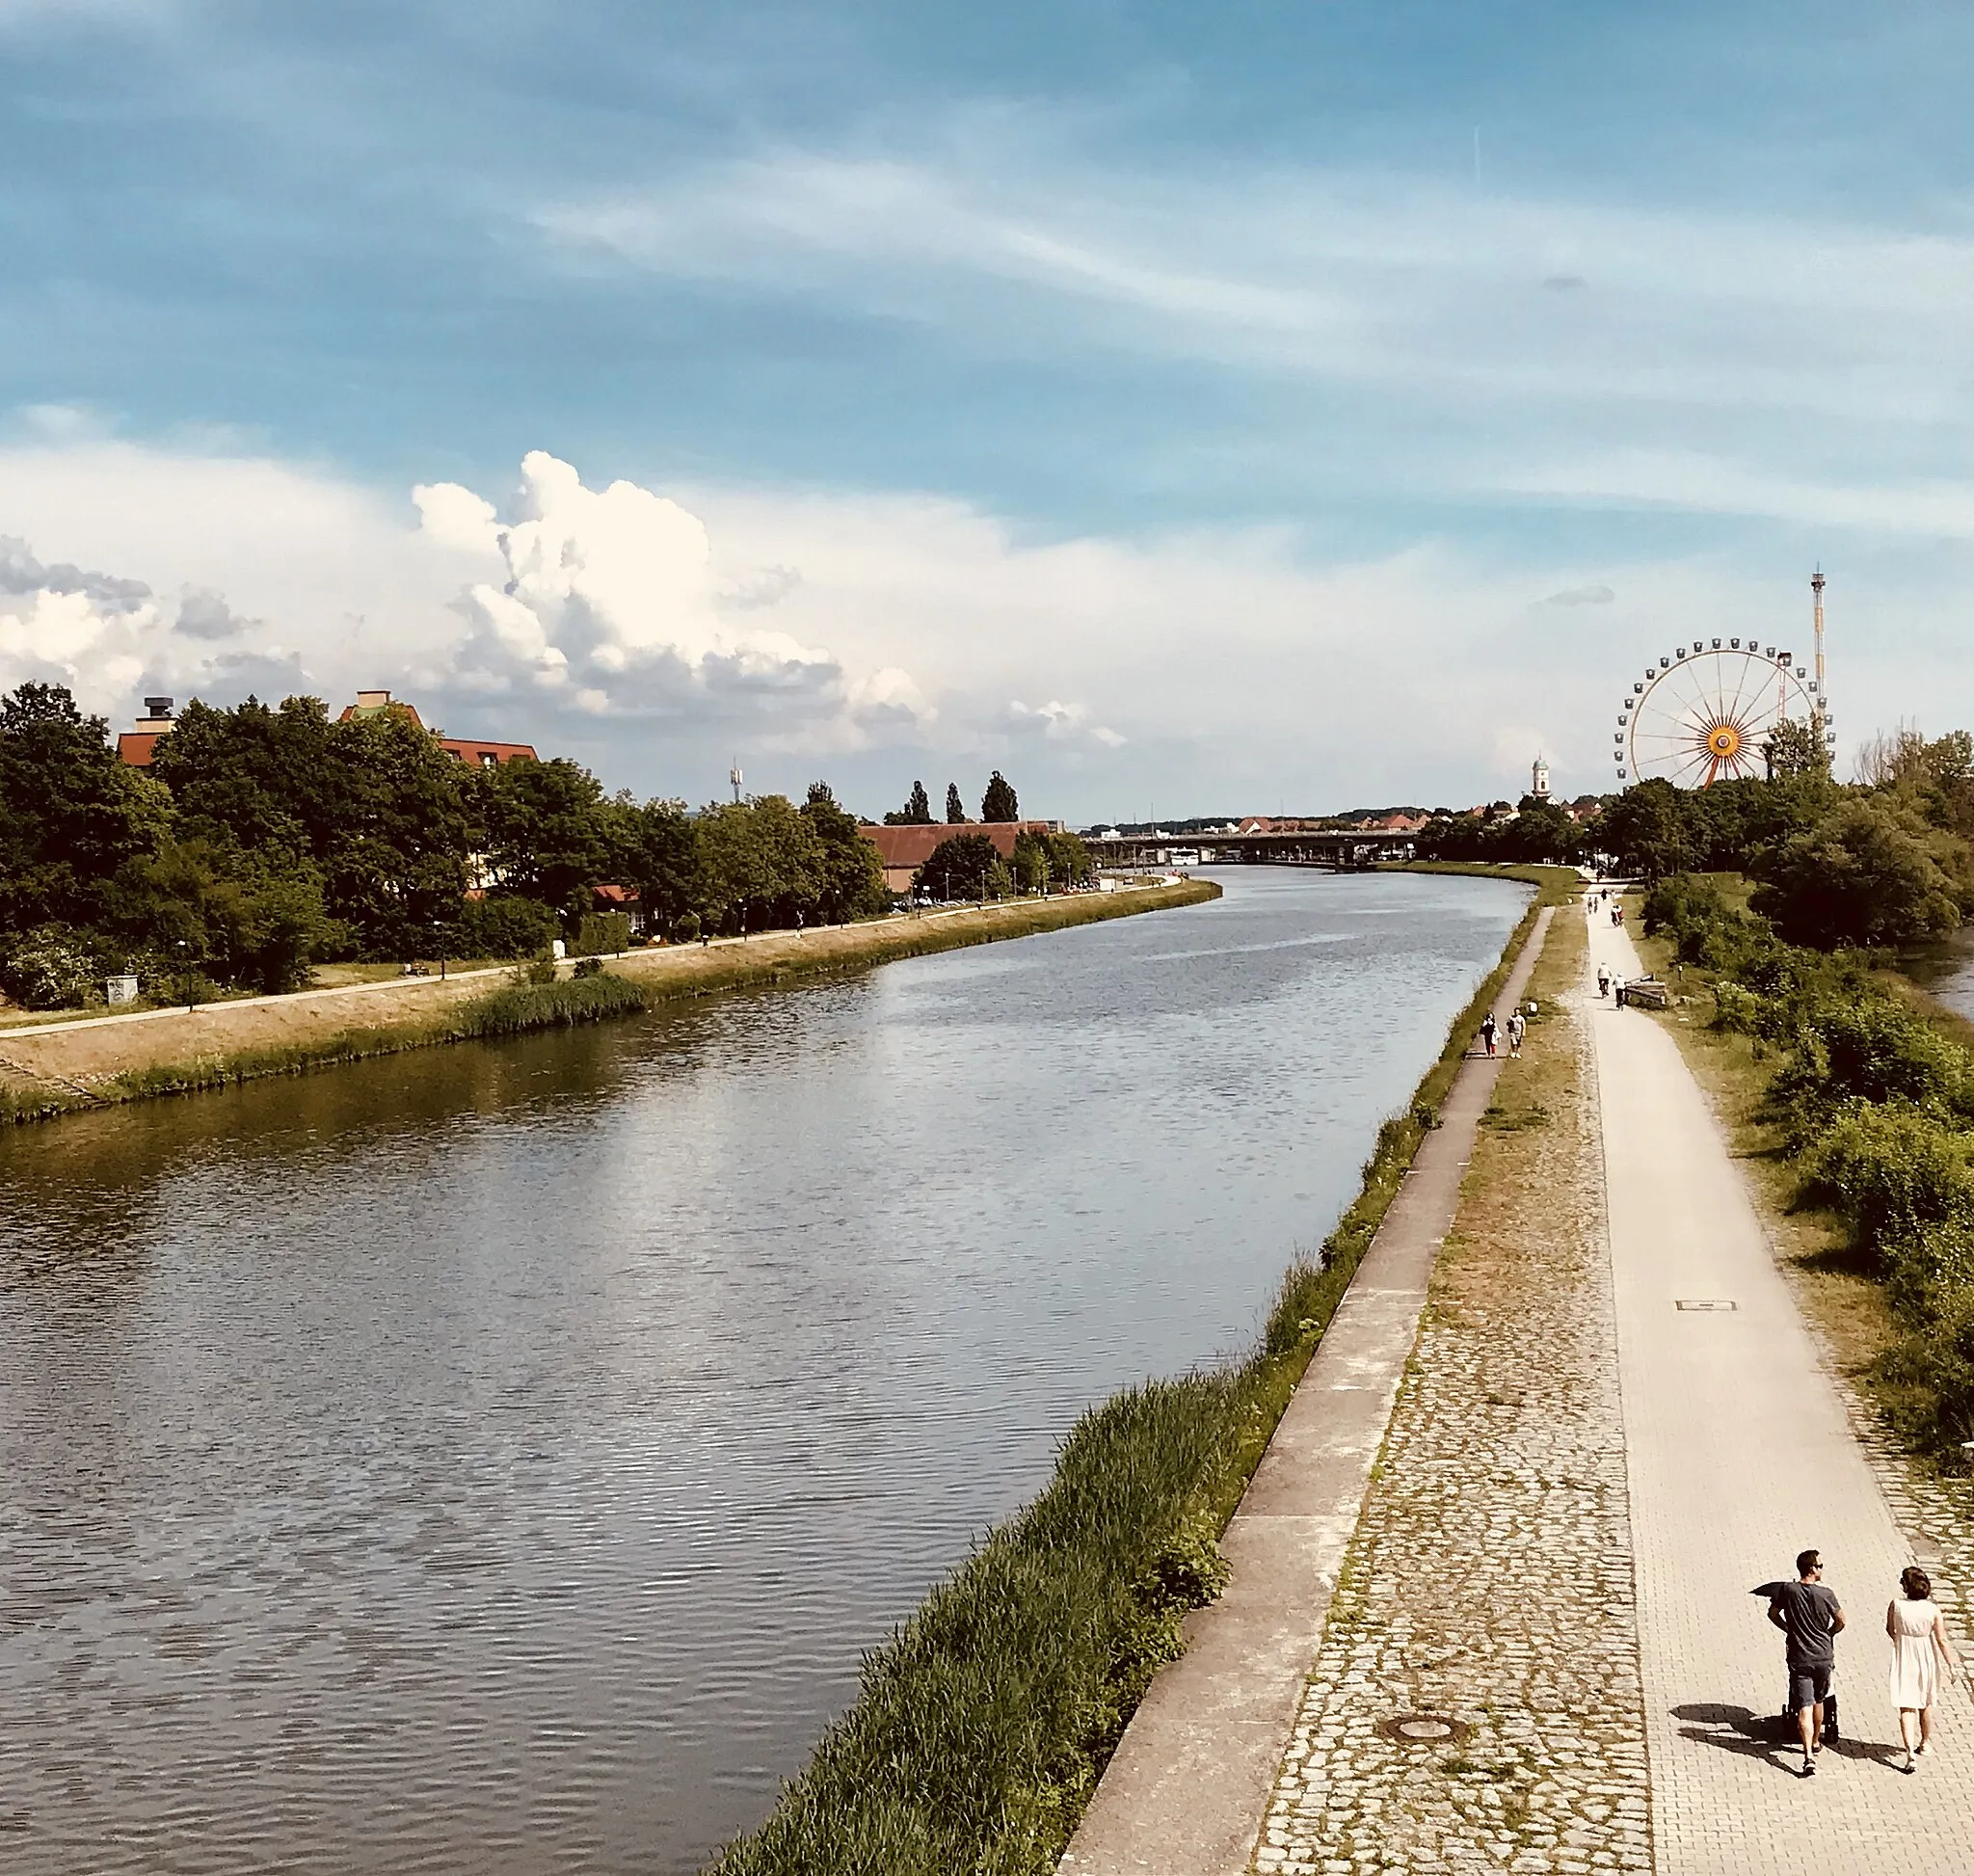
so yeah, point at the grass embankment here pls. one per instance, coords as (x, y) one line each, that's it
(63, 1070)
(1849, 1093)
(983, 1722)
(1554, 885)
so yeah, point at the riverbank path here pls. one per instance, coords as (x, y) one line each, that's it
(1184, 1792)
(1739, 1454)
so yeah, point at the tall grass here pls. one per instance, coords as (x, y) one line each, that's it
(983, 1723)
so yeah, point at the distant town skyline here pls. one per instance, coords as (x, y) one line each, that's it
(1250, 406)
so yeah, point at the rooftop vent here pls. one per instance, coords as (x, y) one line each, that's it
(158, 707)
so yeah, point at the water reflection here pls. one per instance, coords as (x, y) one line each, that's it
(496, 1459)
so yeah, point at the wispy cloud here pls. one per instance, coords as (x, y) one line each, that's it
(1327, 274)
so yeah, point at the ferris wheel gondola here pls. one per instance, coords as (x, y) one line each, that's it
(1702, 714)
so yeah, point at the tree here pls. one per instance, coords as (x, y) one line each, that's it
(761, 862)
(1793, 748)
(1865, 874)
(395, 865)
(999, 803)
(656, 849)
(71, 813)
(850, 874)
(963, 866)
(206, 905)
(1645, 830)
(916, 810)
(544, 829)
(955, 808)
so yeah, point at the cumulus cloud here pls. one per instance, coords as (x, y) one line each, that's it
(610, 599)
(205, 614)
(1060, 722)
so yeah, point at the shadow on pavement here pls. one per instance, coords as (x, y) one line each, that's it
(1769, 1736)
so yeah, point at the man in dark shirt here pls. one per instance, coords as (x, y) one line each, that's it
(1810, 1616)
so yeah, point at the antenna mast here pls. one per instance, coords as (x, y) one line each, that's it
(735, 776)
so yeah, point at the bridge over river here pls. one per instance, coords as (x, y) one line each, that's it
(1341, 850)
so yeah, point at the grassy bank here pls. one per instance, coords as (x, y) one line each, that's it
(983, 1723)
(1554, 885)
(1850, 1094)
(66, 1070)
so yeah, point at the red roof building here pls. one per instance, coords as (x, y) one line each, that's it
(135, 747)
(905, 850)
(482, 753)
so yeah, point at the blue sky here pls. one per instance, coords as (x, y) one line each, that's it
(1221, 408)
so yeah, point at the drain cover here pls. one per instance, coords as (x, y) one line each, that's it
(1705, 1302)
(1423, 1729)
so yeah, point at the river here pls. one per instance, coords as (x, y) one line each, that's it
(494, 1459)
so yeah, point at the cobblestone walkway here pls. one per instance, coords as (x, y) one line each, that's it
(1489, 1582)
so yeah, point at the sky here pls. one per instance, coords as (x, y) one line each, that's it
(1185, 410)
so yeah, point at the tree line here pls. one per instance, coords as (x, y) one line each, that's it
(1000, 803)
(264, 839)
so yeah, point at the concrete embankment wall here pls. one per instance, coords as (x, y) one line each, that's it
(59, 1067)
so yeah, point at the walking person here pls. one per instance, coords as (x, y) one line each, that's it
(1920, 1646)
(1517, 1028)
(1809, 1615)
(1487, 1031)
(1603, 980)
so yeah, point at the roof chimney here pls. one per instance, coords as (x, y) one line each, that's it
(372, 700)
(158, 707)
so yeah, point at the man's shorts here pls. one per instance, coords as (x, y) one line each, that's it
(1809, 1686)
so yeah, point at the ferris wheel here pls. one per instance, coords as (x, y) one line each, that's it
(1701, 715)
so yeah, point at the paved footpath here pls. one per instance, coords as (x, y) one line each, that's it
(1489, 1582)
(1184, 1793)
(1738, 1455)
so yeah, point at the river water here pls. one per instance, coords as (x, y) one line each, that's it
(494, 1459)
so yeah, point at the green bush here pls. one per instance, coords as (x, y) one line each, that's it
(1868, 1048)
(52, 967)
(503, 926)
(1889, 1172)
(601, 933)
(685, 929)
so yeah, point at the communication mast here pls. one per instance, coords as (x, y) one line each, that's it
(735, 776)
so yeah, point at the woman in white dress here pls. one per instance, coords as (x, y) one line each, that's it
(1920, 1648)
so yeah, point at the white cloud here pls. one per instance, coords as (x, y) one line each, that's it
(1328, 272)
(873, 637)
(613, 596)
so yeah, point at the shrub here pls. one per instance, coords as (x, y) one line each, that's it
(52, 967)
(1868, 1048)
(1929, 1269)
(504, 926)
(1931, 1375)
(685, 929)
(587, 967)
(600, 932)
(1889, 1172)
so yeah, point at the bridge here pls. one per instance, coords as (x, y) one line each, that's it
(1339, 849)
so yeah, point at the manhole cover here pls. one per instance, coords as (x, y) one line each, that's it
(1424, 1729)
(1705, 1302)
